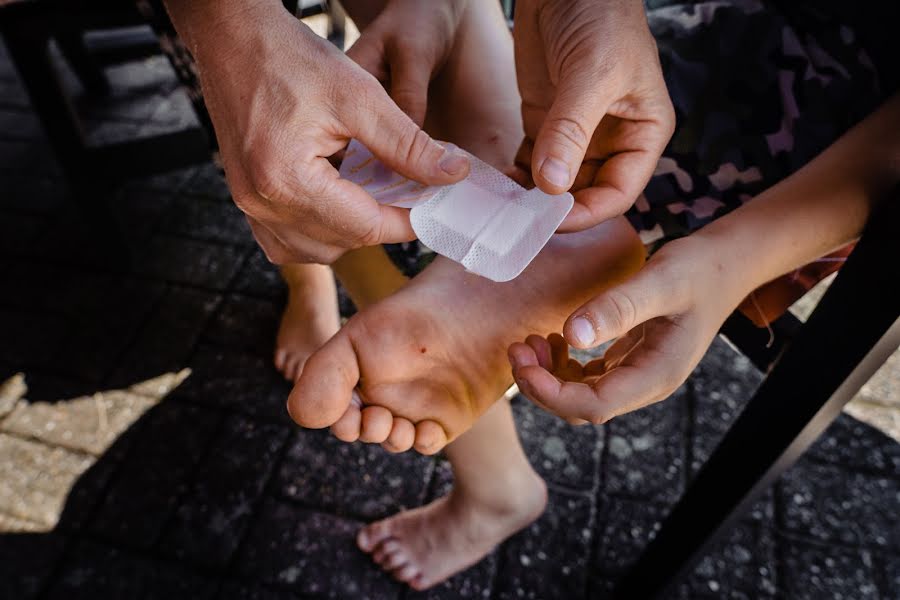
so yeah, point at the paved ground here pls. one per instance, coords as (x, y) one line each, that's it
(210, 492)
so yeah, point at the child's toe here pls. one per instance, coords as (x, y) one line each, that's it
(377, 423)
(430, 437)
(402, 436)
(348, 427)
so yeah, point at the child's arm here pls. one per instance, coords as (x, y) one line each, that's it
(666, 316)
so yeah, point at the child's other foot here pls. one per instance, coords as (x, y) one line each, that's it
(310, 317)
(425, 363)
(425, 546)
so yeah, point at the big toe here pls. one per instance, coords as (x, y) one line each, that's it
(325, 386)
(402, 436)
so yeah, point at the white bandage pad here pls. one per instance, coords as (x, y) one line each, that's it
(486, 222)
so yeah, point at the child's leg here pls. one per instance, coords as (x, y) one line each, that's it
(368, 275)
(310, 317)
(495, 493)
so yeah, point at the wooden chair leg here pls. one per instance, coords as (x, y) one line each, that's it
(849, 335)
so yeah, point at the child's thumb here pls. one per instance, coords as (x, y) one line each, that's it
(617, 310)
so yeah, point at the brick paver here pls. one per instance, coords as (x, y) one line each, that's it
(213, 493)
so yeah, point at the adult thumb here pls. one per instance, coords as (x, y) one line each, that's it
(566, 132)
(401, 145)
(618, 310)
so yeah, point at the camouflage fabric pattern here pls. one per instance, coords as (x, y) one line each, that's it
(756, 98)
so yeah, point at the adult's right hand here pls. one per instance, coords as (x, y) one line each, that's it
(282, 100)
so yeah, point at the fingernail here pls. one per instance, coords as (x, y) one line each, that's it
(454, 161)
(583, 330)
(363, 539)
(555, 171)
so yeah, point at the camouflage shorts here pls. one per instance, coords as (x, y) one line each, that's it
(756, 97)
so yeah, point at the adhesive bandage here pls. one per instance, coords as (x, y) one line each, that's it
(486, 222)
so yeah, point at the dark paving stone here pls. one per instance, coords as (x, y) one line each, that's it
(549, 559)
(167, 338)
(829, 503)
(236, 381)
(167, 182)
(90, 489)
(12, 94)
(156, 471)
(239, 591)
(32, 194)
(207, 219)
(138, 210)
(207, 180)
(34, 339)
(855, 444)
(890, 574)
(31, 157)
(246, 323)
(189, 261)
(48, 386)
(359, 480)
(260, 277)
(646, 451)
(812, 573)
(741, 567)
(626, 527)
(110, 316)
(26, 560)
(18, 232)
(298, 549)
(95, 571)
(720, 387)
(212, 518)
(563, 454)
(19, 125)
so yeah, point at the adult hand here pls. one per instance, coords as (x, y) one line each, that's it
(406, 45)
(663, 320)
(282, 101)
(596, 111)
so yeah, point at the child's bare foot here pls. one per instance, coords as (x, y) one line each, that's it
(425, 546)
(310, 317)
(426, 362)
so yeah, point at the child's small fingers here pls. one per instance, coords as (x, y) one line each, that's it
(521, 355)
(542, 350)
(595, 368)
(559, 351)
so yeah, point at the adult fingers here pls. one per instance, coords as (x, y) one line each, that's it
(581, 102)
(399, 143)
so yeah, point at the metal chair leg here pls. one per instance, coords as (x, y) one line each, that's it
(849, 335)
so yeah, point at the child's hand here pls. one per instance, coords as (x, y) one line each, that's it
(405, 47)
(663, 320)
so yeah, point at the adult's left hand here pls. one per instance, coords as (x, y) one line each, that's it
(596, 111)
